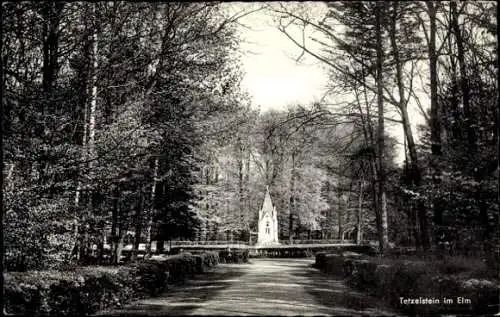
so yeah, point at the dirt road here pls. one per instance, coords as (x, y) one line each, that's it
(260, 287)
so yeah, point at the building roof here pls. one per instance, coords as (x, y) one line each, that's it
(267, 206)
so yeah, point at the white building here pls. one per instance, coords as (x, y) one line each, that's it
(268, 222)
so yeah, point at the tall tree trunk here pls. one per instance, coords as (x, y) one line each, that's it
(456, 131)
(91, 137)
(384, 218)
(435, 123)
(340, 214)
(415, 226)
(372, 162)
(369, 135)
(50, 12)
(423, 224)
(359, 231)
(52, 16)
(160, 244)
(117, 254)
(401, 90)
(382, 226)
(292, 200)
(415, 173)
(241, 188)
(79, 217)
(93, 97)
(433, 59)
(138, 226)
(102, 243)
(151, 209)
(115, 216)
(247, 201)
(76, 224)
(423, 239)
(347, 214)
(469, 120)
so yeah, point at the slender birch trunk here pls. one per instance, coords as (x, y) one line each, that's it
(93, 97)
(247, 201)
(151, 209)
(340, 214)
(79, 188)
(91, 132)
(382, 225)
(359, 233)
(115, 224)
(138, 226)
(292, 201)
(241, 183)
(89, 138)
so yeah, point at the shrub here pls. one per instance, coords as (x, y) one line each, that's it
(180, 266)
(233, 256)
(404, 280)
(334, 264)
(23, 294)
(147, 278)
(60, 293)
(204, 260)
(87, 290)
(199, 263)
(458, 264)
(390, 280)
(211, 258)
(361, 273)
(361, 249)
(320, 260)
(483, 293)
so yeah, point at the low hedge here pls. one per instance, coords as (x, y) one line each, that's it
(320, 260)
(415, 280)
(339, 264)
(65, 293)
(87, 290)
(205, 260)
(288, 252)
(233, 256)
(393, 280)
(334, 264)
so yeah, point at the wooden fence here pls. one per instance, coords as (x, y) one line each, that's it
(241, 243)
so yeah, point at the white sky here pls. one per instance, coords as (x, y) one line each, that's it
(273, 77)
(275, 80)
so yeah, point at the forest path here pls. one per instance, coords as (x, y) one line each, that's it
(260, 287)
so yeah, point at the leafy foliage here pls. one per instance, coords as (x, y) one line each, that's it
(109, 91)
(86, 290)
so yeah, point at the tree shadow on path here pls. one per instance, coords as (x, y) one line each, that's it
(182, 299)
(330, 291)
(265, 287)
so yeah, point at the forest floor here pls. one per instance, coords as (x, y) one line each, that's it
(260, 287)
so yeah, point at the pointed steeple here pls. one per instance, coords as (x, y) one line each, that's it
(268, 222)
(267, 206)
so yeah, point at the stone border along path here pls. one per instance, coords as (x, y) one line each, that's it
(260, 287)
